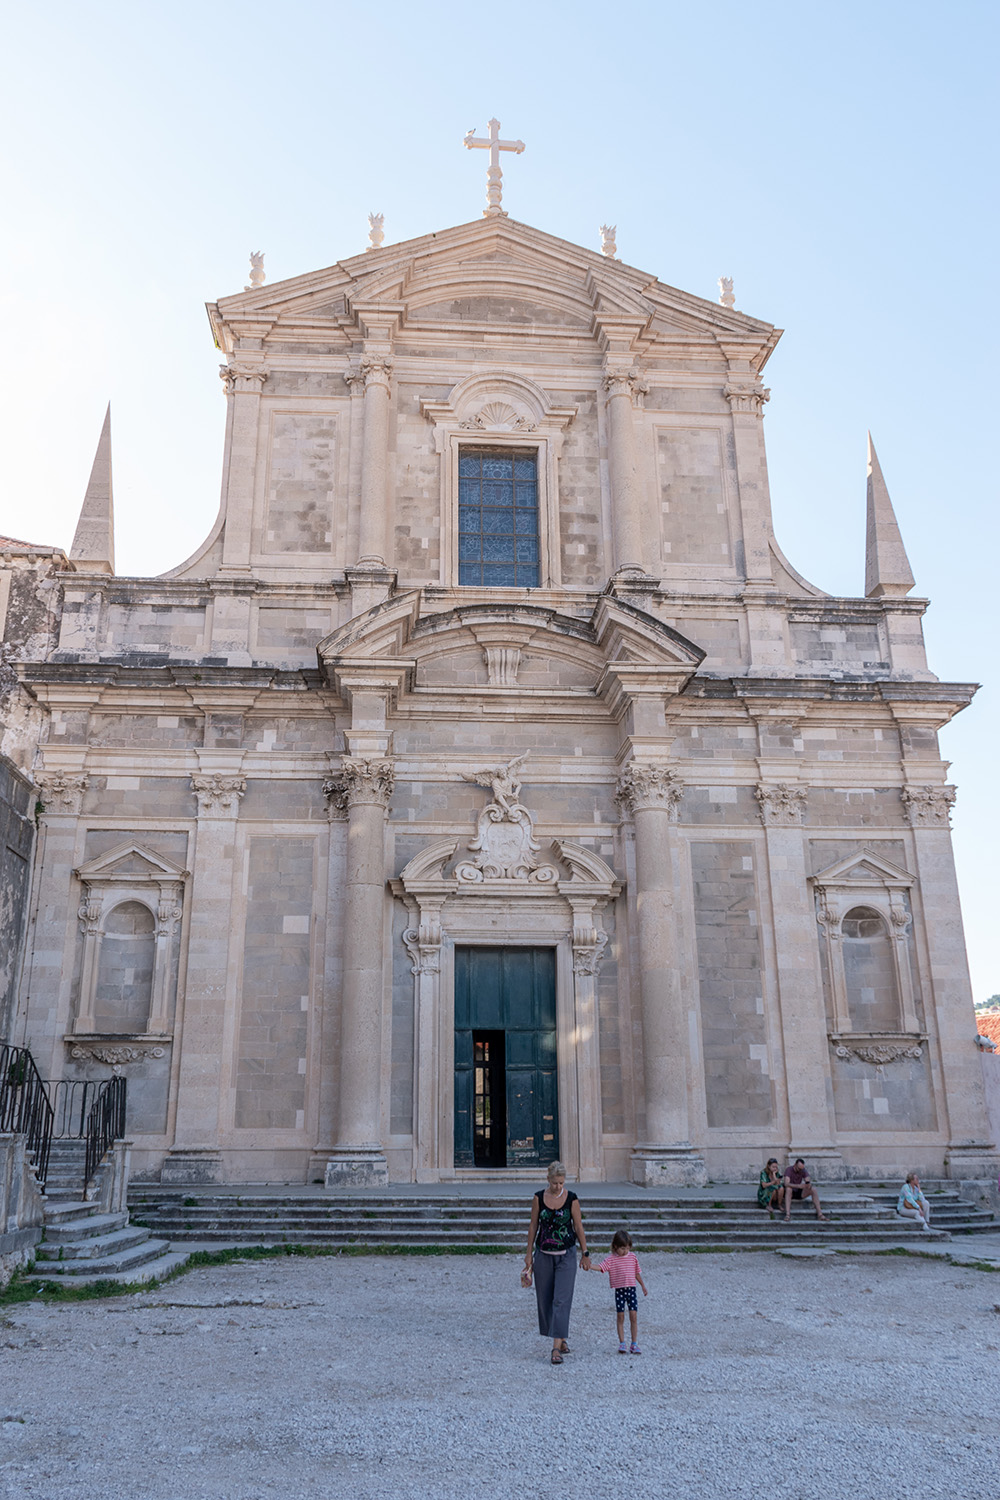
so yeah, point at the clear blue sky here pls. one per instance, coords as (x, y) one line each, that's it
(837, 160)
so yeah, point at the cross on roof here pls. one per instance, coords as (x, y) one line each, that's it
(494, 145)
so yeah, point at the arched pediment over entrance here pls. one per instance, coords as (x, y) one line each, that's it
(508, 647)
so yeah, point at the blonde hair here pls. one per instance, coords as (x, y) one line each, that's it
(555, 1169)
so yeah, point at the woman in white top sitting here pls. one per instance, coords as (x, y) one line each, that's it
(912, 1204)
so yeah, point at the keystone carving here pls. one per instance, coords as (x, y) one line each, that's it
(502, 665)
(928, 806)
(781, 805)
(641, 787)
(218, 796)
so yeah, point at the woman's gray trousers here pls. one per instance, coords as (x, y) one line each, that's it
(555, 1278)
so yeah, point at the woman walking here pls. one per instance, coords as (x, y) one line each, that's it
(556, 1229)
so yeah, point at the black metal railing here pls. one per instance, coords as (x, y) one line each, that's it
(25, 1107)
(72, 1100)
(105, 1124)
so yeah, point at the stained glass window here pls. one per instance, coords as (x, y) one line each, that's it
(498, 517)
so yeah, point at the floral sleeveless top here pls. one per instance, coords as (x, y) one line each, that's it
(555, 1225)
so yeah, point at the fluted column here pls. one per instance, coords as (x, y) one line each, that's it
(626, 489)
(358, 1160)
(651, 793)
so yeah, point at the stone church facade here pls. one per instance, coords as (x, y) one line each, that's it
(488, 787)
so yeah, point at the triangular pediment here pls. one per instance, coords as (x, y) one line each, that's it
(864, 867)
(479, 269)
(131, 861)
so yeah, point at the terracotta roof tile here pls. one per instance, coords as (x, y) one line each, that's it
(989, 1025)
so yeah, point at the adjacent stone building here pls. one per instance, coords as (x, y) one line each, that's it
(488, 787)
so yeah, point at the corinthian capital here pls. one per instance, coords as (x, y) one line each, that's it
(62, 793)
(375, 369)
(218, 796)
(781, 804)
(625, 383)
(928, 805)
(242, 375)
(747, 396)
(643, 786)
(367, 783)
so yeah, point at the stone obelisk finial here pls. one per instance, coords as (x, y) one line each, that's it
(887, 568)
(93, 549)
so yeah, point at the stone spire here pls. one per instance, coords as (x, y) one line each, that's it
(93, 548)
(887, 568)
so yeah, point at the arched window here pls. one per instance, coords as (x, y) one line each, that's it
(125, 970)
(869, 972)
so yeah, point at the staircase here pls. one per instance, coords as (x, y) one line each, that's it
(722, 1217)
(81, 1243)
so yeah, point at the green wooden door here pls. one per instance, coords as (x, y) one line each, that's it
(512, 990)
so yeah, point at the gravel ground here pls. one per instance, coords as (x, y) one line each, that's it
(406, 1377)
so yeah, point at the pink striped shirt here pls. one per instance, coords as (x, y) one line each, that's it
(622, 1269)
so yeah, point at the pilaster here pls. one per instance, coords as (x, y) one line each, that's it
(195, 1154)
(243, 379)
(971, 1153)
(812, 1129)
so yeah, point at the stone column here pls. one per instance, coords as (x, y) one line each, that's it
(244, 379)
(971, 1153)
(651, 793)
(357, 1159)
(812, 1129)
(626, 488)
(195, 1154)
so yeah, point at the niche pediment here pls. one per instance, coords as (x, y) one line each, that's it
(864, 868)
(133, 862)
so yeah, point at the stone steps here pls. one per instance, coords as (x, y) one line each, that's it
(82, 1245)
(422, 1221)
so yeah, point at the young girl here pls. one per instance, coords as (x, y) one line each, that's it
(622, 1266)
